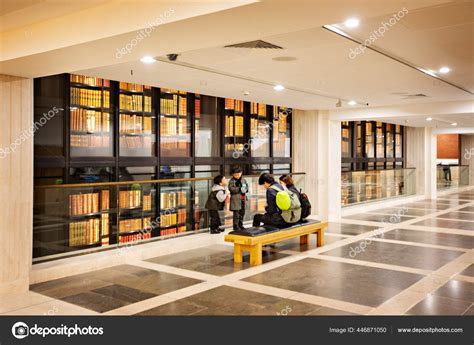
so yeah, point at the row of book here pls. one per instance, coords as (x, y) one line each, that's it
(134, 237)
(172, 126)
(259, 109)
(89, 120)
(177, 105)
(85, 140)
(173, 199)
(83, 204)
(134, 224)
(197, 108)
(168, 219)
(130, 198)
(135, 124)
(133, 87)
(84, 233)
(92, 81)
(105, 224)
(234, 129)
(175, 148)
(135, 102)
(259, 128)
(181, 216)
(90, 98)
(146, 202)
(135, 142)
(166, 232)
(235, 147)
(233, 104)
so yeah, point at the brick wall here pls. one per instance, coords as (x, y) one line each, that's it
(448, 146)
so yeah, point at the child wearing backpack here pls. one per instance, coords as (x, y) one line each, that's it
(287, 181)
(279, 216)
(215, 203)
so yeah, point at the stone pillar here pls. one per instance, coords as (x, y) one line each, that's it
(317, 152)
(467, 154)
(16, 183)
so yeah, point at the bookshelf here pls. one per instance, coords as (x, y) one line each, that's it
(89, 220)
(234, 132)
(137, 134)
(259, 130)
(91, 125)
(282, 131)
(175, 128)
(176, 209)
(107, 127)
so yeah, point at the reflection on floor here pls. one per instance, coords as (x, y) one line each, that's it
(422, 263)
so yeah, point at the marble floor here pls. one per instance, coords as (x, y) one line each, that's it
(414, 259)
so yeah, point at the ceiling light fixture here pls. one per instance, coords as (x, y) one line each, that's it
(454, 124)
(351, 23)
(246, 93)
(147, 59)
(278, 87)
(352, 102)
(429, 119)
(444, 70)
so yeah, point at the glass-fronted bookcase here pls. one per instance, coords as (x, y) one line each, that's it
(123, 162)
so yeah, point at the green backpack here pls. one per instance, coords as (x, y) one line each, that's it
(289, 204)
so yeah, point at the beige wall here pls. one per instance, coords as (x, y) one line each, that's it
(16, 183)
(467, 154)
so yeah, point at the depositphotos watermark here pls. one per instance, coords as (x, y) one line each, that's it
(143, 33)
(380, 32)
(21, 330)
(469, 153)
(28, 133)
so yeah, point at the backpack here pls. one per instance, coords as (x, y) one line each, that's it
(289, 204)
(305, 205)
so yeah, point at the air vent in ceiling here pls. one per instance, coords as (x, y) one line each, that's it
(414, 96)
(259, 44)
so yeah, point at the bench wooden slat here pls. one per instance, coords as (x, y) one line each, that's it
(254, 244)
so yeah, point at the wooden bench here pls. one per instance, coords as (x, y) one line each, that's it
(254, 244)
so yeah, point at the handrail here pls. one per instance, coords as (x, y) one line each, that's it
(120, 183)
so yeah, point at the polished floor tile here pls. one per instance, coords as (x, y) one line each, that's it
(428, 205)
(349, 229)
(453, 298)
(417, 212)
(217, 260)
(428, 237)
(225, 300)
(467, 209)
(446, 223)
(457, 216)
(468, 271)
(396, 254)
(390, 219)
(294, 244)
(337, 280)
(113, 287)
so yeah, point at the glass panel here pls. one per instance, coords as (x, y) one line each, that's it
(346, 139)
(49, 112)
(137, 173)
(207, 170)
(359, 139)
(257, 169)
(175, 124)
(45, 176)
(176, 208)
(279, 169)
(369, 140)
(365, 186)
(449, 176)
(380, 141)
(234, 129)
(390, 139)
(259, 130)
(137, 121)
(281, 132)
(175, 171)
(91, 123)
(91, 174)
(398, 141)
(208, 136)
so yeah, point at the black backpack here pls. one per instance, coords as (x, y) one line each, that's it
(305, 205)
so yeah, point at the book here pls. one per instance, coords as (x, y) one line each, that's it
(80, 204)
(91, 81)
(129, 198)
(84, 232)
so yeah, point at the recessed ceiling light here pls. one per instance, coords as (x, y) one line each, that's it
(454, 124)
(352, 102)
(147, 59)
(444, 70)
(352, 23)
(246, 93)
(284, 58)
(429, 119)
(278, 87)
